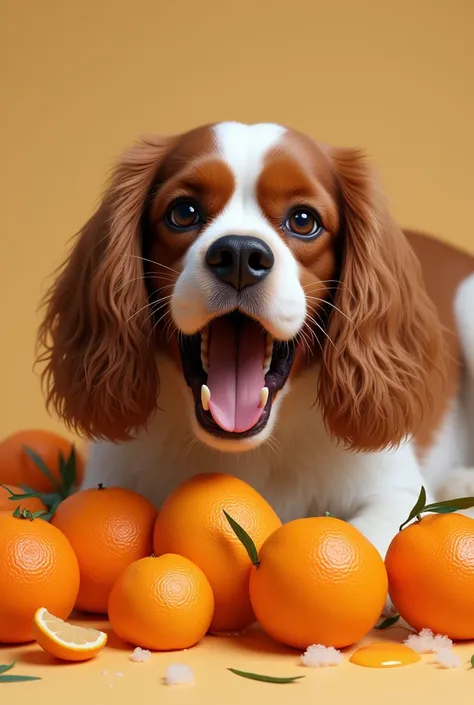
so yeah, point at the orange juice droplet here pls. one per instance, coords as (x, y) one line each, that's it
(384, 654)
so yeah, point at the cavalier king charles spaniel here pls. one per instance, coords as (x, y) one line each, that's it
(242, 301)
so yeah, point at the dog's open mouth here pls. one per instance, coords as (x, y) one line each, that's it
(235, 369)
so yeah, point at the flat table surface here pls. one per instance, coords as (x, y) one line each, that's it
(112, 678)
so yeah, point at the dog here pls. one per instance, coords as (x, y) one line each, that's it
(242, 301)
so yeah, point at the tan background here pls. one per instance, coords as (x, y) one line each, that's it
(80, 79)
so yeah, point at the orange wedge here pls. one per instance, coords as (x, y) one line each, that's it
(66, 641)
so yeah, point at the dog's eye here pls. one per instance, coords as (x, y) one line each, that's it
(304, 223)
(183, 215)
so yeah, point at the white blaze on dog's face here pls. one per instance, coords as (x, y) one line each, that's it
(245, 215)
(199, 295)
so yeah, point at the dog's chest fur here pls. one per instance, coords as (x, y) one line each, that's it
(299, 470)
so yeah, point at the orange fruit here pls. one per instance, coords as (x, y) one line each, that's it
(66, 641)
(319, 581)
(192, 523)
(430, 567)
(37, 567)
(108, 528)
(161, 604)
(33, 504)
(17, 468)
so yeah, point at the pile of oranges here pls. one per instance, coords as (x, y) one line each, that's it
(215, 558)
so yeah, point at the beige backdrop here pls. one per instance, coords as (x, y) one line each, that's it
(82, 78)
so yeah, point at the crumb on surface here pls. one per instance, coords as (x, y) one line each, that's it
(318, 655)
(426, 642)
(140, 655)
(179, 673)
(119, 674)
(447, 658)
(104, 673)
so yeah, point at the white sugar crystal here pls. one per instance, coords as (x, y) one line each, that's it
(319, 655)
(119, 674)
(179, 673)
(140, 655)
(447, 658)
(442, 642)
(428, 643)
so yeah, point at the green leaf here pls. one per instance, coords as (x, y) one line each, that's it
(442, 510)
(244, 538)
(472, 660)
(388, 622)
(68, 471)
(16, 496)
(417, 509)
(49, 515)
(7, 667)
(18, 679)
(49, 498)
(41, 465)
(39, 514)
(20, 513)
(265, 679)
(450, 505)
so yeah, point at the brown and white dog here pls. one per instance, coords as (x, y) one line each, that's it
(242, 301)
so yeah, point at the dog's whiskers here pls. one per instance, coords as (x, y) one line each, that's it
(156, 306)
(148, 275)
(329, 281)
(311, 318)
(307, 337)
(323, 301)
(158, 264)
(274, 446)
(157, 323)
(191, 443)
(135, 313)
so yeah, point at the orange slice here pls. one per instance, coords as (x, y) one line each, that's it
(66, 641)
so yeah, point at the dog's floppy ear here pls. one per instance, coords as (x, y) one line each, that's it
(99, 368)
(376, 381)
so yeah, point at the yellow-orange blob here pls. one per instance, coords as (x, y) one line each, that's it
(383, 654)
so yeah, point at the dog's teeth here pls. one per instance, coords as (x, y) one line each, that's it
(205, 397)
(263, 397)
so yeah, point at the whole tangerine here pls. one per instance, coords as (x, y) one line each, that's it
(192, 523)
(161, 604)
(109, 528)
(33, 504)
(38, 567)
(430, 567)
(18, 468)
(318, 581)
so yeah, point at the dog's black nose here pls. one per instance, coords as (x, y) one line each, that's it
(240, 260)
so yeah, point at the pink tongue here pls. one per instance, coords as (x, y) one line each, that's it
(236, 375)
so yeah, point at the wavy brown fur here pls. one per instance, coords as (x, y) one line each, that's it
(375, 384)
(100, 371)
